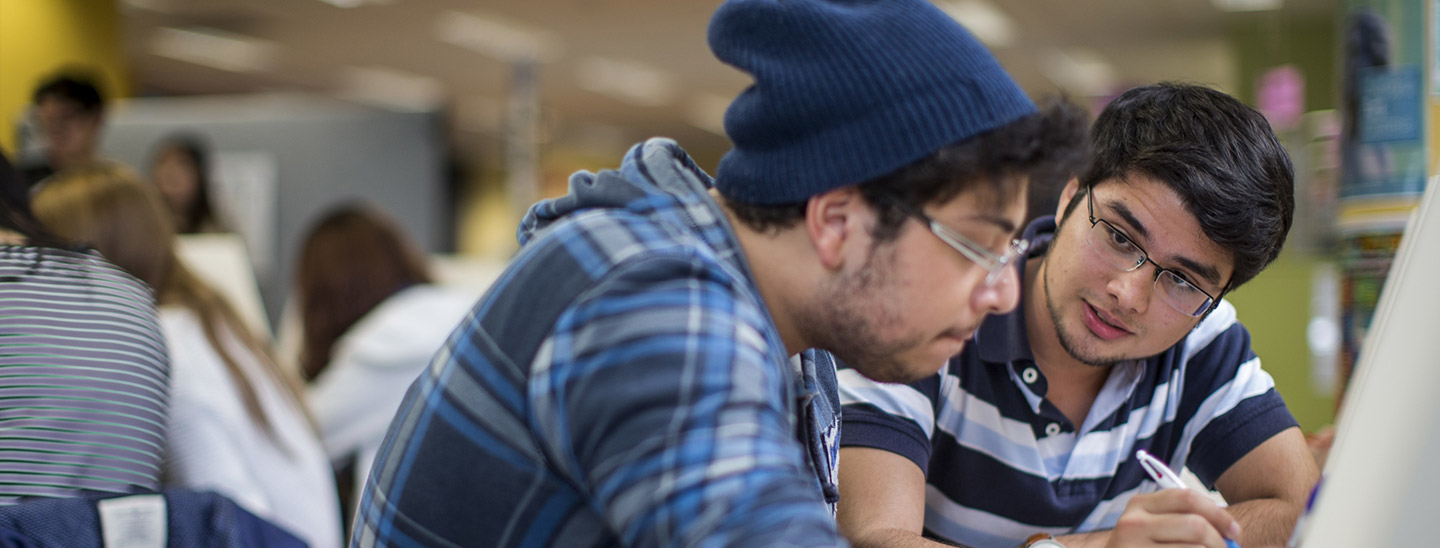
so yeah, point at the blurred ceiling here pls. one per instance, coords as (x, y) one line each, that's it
(611, 72)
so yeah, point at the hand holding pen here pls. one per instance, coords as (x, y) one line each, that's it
(1173, 516)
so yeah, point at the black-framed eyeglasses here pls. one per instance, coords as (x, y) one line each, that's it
(1121, 252)
(995, 264)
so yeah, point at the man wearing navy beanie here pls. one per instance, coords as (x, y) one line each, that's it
(643, 373)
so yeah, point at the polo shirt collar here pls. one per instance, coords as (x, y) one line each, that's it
(1002, 338)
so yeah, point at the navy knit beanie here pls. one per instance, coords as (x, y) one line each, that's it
(849, 90)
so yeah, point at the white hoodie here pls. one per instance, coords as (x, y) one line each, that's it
(373, 364)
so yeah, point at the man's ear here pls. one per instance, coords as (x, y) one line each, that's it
(1066, 194)
(832, 218)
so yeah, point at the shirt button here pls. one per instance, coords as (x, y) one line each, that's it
(1029, 375)
(1052, 429)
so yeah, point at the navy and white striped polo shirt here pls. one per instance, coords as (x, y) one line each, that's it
(1003, 463)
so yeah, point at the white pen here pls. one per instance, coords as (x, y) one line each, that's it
(1168, 479)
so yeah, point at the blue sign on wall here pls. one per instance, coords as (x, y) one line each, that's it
(1390, 102)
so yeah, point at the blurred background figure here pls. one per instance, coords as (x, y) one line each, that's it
(372, 320)
(1368, 45)
(180, 168)
(238, 424)
(85, 387)
(69, 113)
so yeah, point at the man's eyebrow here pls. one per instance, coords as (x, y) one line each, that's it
(1005, 224)
(1205, 271)
(1124, 212)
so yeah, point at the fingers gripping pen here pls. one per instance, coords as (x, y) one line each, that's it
(1167, 479)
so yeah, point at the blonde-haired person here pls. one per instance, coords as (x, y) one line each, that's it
(238, 425)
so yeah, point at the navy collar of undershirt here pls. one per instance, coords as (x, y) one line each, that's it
(1002, 338)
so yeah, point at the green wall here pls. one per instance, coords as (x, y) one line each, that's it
(1275, 306)
(1265, 40)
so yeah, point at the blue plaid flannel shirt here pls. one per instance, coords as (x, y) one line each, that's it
(621, 384)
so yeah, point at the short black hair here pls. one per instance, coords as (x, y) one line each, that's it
(1045, 148)
(1218, 154)
(73, 85)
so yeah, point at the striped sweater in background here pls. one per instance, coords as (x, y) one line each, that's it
(83, 377)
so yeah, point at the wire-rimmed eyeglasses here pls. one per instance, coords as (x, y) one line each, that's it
(995, 264)
(1111, 244)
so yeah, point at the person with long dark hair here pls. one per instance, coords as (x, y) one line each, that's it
(180, 167)
(372, 319)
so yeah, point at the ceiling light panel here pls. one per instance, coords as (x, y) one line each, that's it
(707, 111)
(1247, 5)
(357, 3)
(216, 49)
(502, 39)
(1080, 72)
(392, 89)
(988, 23)
(157, 6)
(628, 81)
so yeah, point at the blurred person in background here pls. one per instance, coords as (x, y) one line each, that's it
(180, 168)
(85, 386)
(69, 114)
(372, 320)
(238, 425)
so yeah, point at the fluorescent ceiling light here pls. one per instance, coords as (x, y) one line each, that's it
(1247, 5)
(987, 22)
(502, 39)
(628, 81)
(158, 6)
(215, 49)
(1080, 72)
(707, 111)
(391, 89)
(356, 3)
